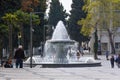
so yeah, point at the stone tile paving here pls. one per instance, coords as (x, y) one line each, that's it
(105, 72)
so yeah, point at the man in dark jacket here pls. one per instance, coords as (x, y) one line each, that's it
(112, 60)
(19, 56)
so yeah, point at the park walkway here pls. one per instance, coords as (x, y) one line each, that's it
(104, 72)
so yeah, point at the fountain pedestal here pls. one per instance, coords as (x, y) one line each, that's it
(61, 48)
(60, 56)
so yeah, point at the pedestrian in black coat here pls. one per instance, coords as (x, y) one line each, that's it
(112, 60)
(19, 56)
(118, 61)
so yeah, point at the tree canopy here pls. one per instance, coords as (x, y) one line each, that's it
(76, 14)
(101, 14)
(56, 13)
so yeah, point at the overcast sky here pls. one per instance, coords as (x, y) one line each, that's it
(66, 4)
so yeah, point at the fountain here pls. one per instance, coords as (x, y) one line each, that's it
(56, 51)
(59, 44)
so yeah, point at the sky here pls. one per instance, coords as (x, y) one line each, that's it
(66, 4)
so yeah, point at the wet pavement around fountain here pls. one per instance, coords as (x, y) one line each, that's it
(104, 72)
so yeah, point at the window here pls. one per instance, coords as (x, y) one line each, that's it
(117, 45)
(104, 46)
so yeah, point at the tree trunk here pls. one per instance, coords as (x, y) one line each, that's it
(95, 44)
(96, 41)
(10, 42)
(111, 42)
(1, 54)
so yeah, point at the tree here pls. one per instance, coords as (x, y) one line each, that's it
(38, 33)
(24, 19)
(35, 6)
(8, 6)
(11, 20)
(56, 13)
(100, 14)
(76, 14)
(95, 44)
(29, 5)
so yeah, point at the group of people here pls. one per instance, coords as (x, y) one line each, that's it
(19, 57)
(8, 64)
(115, 59)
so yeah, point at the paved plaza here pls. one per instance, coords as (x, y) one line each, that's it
(104, 72)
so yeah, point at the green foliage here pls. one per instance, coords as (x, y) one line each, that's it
(101, 14)
(24, 17)
(8, 6)
(3, 35)
(12, 15)
(98, 11)
(76, 14)
(56, 13)
(23, 21)
(10, 18)
(35, 19)
(3, 30)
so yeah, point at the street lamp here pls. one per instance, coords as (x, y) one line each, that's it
(31, 50)
(44, 34)
(31, 35)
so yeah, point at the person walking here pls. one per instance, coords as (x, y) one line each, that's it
(107, 55)
(118, 61)
(112, 61)
(19, 56)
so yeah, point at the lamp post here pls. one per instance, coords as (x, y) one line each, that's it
(31, 35)
(44, 34)
(31, 50)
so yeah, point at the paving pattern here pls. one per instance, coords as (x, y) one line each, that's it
(105, 72)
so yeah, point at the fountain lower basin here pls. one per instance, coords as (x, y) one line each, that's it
(49, 63)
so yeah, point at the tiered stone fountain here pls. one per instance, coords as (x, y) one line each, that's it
(59, 44)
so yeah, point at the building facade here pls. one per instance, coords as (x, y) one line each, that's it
(105, 41)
